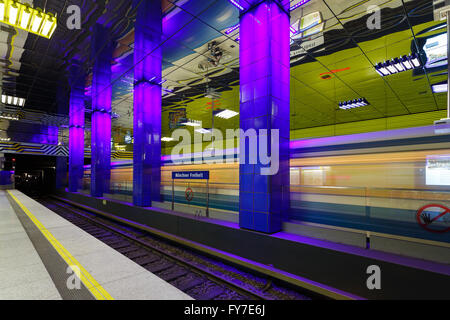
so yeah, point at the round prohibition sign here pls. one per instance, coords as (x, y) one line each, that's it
(425, 220)
(189, 194)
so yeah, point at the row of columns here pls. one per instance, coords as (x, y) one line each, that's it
(264, 104)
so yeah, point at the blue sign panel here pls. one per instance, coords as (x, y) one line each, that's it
(195, 175)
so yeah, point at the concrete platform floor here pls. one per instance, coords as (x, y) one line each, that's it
(43, 256)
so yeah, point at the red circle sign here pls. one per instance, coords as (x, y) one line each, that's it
(189, 194)
(426, 221)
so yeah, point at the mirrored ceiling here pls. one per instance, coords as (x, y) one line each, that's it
(332, 63)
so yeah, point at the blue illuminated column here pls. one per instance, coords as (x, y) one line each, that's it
(264, 104)
(147, 104)
(62, 101)
(76, 127)
(102, 50)
(61, 173)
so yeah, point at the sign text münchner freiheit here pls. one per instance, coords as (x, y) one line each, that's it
(196, 175)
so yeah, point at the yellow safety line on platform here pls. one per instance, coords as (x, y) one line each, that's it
(90, 283)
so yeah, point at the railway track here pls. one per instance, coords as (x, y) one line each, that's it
(199, 276)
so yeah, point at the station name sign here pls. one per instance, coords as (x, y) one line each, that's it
(195, 175)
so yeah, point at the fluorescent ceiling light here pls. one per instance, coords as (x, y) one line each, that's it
(383, 71)
(16, 101)
(295, 26)
(361, 102)
(442, 26)
(392, 69)
(37, 22)
(299, 4)
(27, 18)
(406, 63)
(230, 30)
(439, 87)
(293, 30)
(2, 11)
(13, 13)
(8, 117)
(48, 27)
(227, 114)
(167, 139)
(416, 62)
(192, 123)
(398, 65)
(236, 4)
(203, 131)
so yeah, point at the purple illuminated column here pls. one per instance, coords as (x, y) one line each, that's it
(264, 105)
(147, 104)
(76, 127)
(102, 49)
(62, 105)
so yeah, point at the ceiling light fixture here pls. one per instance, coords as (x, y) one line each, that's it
(294, 28)
(192, 123)
(203, 131)
(167, 139)
(226, 114)
(299, 4)
(2, 10)
(236, 4)
(48, 26)
(15, 101)
(230, 30)
(27, 18)
(8, 116)
(13, 13)
(397, 65)
(361, 102)
(439, 87)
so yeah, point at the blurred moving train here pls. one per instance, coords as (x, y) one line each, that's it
(375, 182)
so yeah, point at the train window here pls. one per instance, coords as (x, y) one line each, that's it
(438, 170)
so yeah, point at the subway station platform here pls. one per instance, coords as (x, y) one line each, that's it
(332, 269)
(45, 257)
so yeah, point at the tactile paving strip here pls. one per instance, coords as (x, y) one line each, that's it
(56, 267)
